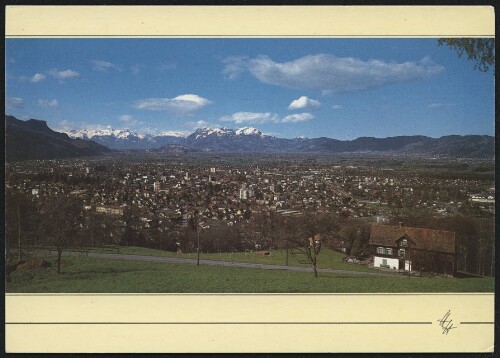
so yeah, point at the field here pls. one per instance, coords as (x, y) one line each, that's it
(328, 259)
(90, 275)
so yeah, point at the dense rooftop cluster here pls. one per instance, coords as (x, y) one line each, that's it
(169, 192)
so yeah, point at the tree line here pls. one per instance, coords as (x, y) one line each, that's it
(60, 223)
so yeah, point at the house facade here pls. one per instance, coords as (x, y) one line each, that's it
(413, 249)
(110, 209)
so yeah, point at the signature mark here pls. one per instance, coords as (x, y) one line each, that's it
(446, 323)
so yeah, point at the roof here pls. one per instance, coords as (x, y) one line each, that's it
(426, 239)
(116, 207)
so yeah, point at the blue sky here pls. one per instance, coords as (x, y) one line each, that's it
(339, 88)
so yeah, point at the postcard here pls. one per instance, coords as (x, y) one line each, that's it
(249, 179)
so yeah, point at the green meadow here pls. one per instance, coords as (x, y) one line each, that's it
(328, 259)
(92, 275)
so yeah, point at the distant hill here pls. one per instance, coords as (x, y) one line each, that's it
(175, 148)
(249, 139)
(33, 139)
(252, 140)
(362, 144)
(470, 146)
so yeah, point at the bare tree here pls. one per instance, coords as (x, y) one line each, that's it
(21, 221)
(131, 234)
(62, 220)
(194, 225)
(308, 233)
(311, 248)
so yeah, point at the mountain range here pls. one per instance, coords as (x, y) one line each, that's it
(246, 139)
(127, 139)
(33, 139)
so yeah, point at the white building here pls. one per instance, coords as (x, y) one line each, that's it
(246, 193)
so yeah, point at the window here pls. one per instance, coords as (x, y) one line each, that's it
(388, 251)
(404, 242)
(380, 250)
(401, 252)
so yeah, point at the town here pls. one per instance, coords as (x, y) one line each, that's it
(153, 200)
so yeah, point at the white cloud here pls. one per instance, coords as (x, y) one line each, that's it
(330, 73)
(250, 117)
(94, 126)
(337, 106)
(14, 102)
(48, 103)
(126, 118)
(136, 69)
(440, 105)
(235, 66)
(129, 120)
(304, 102)
(298, 117)
(200, 124)
(64, 126)
(62, 75)
(38, 77)
(104, 66)
(267, 117)
(182, 104)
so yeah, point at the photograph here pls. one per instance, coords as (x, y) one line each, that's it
(250, 165)
(249, 179)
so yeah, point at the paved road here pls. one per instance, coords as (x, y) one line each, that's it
(175, 260)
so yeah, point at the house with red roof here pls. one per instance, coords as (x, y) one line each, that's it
(413, 249)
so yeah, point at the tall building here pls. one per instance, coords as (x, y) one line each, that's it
(243, 194)
(246, 193)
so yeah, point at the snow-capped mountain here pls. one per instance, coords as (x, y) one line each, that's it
(127, 139)
(207, 132)
(248, 131)
(179, 134)
(107, 132)
(225, 139)
(224, 132)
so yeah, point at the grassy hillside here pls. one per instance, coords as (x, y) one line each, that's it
(84, 274)
(327, 259)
